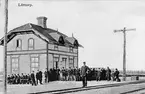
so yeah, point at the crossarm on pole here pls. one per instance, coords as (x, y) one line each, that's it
(118, 31)
(131, 29)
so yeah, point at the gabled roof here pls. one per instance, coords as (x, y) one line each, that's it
(73, 41)
(47, 34)
(70, 39)
(55, 35)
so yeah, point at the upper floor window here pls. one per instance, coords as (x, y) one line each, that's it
(31, 44)
(18, 43)
(55, 47)
(71, 49)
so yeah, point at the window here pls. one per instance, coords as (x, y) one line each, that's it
(64, 62)
(34, 62)
(18, 43)
(76, 44)
(15, 65)
(71, 62)
(31, 44)
(71, 49)
(55, 47)
(61, 40)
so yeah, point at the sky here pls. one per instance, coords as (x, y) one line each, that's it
(92, 22)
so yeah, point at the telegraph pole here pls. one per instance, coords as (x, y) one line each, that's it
(124, 49)
(5, 43)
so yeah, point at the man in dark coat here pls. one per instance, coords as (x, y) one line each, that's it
(57, 74)
(37, 76)
(40, 77)
(77, 74)
(46, 73)
(117, 75)
(9, 78)
(29, 79)
(18, 78)
(84, 71)
(108, 74)
(33, 82)
(50, 75)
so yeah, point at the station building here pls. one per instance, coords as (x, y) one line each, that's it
(33, 47)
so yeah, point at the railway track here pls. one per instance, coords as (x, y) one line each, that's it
(71, 90)
(134, 91)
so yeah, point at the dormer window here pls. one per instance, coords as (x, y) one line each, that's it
(18, 43)
(61, 40)
(76, 44)
(31, 44)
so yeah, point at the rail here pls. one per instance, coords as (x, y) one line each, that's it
(71, 90)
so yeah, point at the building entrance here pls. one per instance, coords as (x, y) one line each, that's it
(55, 63)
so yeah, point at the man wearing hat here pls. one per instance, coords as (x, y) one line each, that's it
(84, 71)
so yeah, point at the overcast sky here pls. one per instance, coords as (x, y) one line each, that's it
(92, 23)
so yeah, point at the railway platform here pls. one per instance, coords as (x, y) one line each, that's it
(58, 87)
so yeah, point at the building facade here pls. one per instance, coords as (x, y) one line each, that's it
(33, 47)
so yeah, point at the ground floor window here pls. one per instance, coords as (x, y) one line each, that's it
(71, 62)
(15, 65)
(64, 62)
(34, 59)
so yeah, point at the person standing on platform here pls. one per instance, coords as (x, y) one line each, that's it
(70, 74)
(117, 75)
(108, 74)
(40, 77)
(37, 77)
(84, 71)
(46, 73)
(113, 75)
(33, 78)
(98, 74)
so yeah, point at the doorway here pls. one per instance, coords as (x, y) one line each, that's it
(55, 63)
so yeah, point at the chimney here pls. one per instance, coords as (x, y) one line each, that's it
(42, 21)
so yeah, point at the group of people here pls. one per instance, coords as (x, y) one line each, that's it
(25, 78)
(19, 79)
(72, 74)
(88, 74)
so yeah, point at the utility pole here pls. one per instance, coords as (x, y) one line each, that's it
(5, 43)
(124, 49)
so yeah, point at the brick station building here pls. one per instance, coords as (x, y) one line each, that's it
(32, 47)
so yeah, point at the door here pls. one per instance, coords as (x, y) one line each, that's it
(55, 63)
